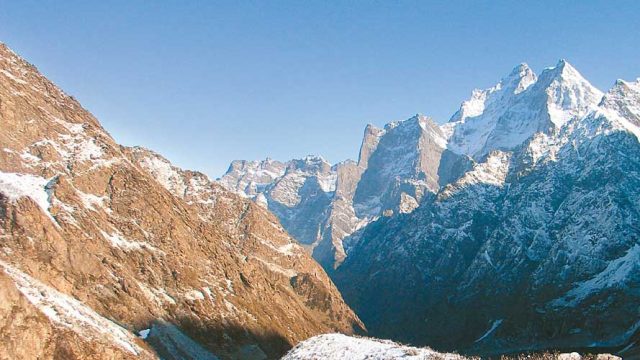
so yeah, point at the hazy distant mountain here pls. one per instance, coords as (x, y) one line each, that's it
(320, 204)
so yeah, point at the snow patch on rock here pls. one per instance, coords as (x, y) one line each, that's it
(165, 174)
(16, 186)
(119, 241)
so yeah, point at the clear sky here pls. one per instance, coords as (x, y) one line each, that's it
(206, 82)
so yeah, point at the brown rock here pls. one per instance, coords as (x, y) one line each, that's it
(141, 244)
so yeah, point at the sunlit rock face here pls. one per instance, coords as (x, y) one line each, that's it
(114, 252)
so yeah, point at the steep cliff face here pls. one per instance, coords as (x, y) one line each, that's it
(113, 251)
(403, 166)
(534, 247)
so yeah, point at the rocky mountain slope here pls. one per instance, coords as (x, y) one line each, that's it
(535, 247)
(112, 252)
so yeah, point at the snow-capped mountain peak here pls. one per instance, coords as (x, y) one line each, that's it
(504, 116)
(624, 99)
(517, 81)
(618, 110)
(569, 94)
(520, 78)
(545, 214)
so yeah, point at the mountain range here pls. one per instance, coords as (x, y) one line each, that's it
(512, 227)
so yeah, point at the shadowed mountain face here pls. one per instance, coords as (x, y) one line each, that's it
(100, 242)
(511, 227)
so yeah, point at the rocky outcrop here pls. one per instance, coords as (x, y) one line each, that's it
(113, 251)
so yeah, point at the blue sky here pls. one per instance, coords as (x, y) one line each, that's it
(206, 82)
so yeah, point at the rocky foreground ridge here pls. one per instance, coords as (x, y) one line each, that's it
(112, 252)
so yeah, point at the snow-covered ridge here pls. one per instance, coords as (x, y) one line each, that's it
(339, 347)
(506, 115)
(520, 78)
(621, 105)
(249, 178)
(278, 181)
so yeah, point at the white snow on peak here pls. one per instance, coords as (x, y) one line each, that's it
(520, 78)
(569, 94)
(622, 104)
(67, 312)
(619, 111)
(312, 159)
(339, 346)
(471, 126)
(505, 116)
(249, 178)
(282, 181)
(474, 106)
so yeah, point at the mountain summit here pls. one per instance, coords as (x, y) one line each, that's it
(504, 116)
